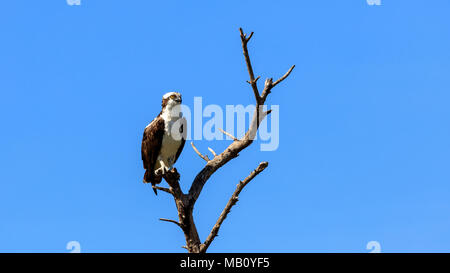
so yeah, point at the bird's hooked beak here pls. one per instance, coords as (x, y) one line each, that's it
(177, 100)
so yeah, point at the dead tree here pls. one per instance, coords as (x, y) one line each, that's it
(185, 201)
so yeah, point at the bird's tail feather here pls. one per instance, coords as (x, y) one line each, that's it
(156, 192)
(149, 178)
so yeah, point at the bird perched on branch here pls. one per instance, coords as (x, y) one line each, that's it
(163, 139)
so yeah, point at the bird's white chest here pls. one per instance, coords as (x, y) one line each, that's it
(171, 142)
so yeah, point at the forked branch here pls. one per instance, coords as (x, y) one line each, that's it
(204, 157)
(252, 81)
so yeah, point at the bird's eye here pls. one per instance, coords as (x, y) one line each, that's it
(173, 96)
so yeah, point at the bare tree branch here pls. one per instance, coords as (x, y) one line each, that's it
(238, 145)
(269, 84)
(284, 76)
(256, 80)
(212, 151)
(170, 221)
(230, 204)
(172, 178)
(252, 82)
(162, 189)
(204, 157)
(228, 134)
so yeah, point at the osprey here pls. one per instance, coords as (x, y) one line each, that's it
(163, 139)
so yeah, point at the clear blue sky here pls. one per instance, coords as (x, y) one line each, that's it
(364, 123)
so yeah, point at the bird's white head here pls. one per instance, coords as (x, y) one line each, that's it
(171, 106)
(171, 99)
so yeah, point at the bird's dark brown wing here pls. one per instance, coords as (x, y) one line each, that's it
(183, 140)
(151, 144)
